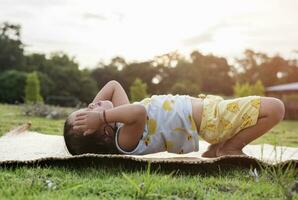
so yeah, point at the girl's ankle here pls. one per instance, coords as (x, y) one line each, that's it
(226, 152)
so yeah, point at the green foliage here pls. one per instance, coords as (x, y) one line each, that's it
(185, 87)
(242, 90)
(47, 85)
(258, 88)
(280, 174)
(179, 88)
(11, 47)
(37, 62)
(246, 89)
(258, 66)
(61, 78)
(88, 89)
(138, 90)
(12, 86)
(32, 89)
(93, 180)
(211, 73)
(144, 187)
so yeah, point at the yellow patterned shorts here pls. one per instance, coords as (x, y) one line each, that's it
(222, 119)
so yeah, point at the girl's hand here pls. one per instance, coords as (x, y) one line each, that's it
(91, 105)
(88, 121)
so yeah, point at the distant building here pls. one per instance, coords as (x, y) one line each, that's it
(290, 88)
(288, 93)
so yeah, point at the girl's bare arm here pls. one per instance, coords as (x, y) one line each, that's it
(132, 115)
(129, 114)
(134, 118)
(114, 92)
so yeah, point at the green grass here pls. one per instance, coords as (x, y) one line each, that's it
(284, 133)
(12, 116)
(95, 181)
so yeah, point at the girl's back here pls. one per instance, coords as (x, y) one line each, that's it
(170, 125)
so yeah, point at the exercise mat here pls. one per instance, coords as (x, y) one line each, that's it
(21, 146)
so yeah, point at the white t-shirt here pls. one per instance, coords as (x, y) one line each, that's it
(170, 126)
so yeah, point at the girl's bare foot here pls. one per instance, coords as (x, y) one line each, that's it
(229, 152)
(211, 151)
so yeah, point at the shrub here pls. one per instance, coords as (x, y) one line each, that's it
(88, 89)
(185, 87)
(246, 89)
(32, 89)
(47, 85)
(258, 88)
(12, 86)
(242, 90)
(138, 90)
(43, 110)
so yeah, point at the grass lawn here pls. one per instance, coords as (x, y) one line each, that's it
(101, 182)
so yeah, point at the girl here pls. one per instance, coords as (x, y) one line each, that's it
(110, 124)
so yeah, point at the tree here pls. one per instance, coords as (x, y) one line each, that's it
(104, 74)
(11, 47)
(213, 72)
(37, 62)
(118, 62)
(186, 88)
(32, 89)
(47, 85)
(12, 86)
(142, 70)
(88, 88)
(248, 67)
(270, 70)
(138, 90)
(65, 74)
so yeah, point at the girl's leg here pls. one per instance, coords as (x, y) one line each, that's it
(271, 112)
(212, 150)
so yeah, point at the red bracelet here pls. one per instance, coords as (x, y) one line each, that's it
(104, 117)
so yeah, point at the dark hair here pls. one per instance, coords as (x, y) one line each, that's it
(97, 143)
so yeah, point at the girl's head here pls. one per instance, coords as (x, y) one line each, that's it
(101, 141)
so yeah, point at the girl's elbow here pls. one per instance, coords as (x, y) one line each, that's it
(140, 111)
(114, 82)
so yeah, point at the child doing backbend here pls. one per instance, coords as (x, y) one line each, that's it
(173, 123)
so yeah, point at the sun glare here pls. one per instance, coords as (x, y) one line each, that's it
(93, 30)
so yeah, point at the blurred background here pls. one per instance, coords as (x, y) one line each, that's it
(61, 52)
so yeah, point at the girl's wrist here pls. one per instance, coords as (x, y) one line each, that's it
(101, 118)
(105, 117)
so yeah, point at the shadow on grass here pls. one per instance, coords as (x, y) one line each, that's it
(226, 164)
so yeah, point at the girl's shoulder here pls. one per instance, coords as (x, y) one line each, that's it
(160, 99)
(154, 99)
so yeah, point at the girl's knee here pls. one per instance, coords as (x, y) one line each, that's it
(273, 108)
(277, 109)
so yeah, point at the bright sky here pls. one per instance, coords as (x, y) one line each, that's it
(97, 30)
